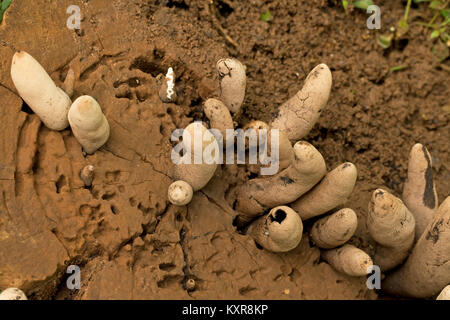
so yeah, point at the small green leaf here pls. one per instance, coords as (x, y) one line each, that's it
(4, 5)
(419, 1)
(398, 68)
(345, 5)
(363, 4)
(434, 34)
(266, 16)
(445, 13)
(384, 41)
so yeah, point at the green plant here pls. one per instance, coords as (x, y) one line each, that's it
(360, 4)
(266, 16)
(385, 40)
(4, 4)
(439, 25)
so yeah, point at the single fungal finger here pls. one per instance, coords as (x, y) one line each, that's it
(88, 123)
(260, 194)
(279, 231)
(218, 115)
(13, 294)
(349, 260)
(330, 193)
(232, 83)
(392, 226)
(298, 115)
(445, 294)
(427, 269)
(197, 141)
(87, 175)
(334, 230)
(283, 145)
(39, 91)
(419, 192)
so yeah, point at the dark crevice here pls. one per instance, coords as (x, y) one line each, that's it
(60, 183)
(224, 8)
(26, 108)
(180, 4)
(152, 67)
(278, 216)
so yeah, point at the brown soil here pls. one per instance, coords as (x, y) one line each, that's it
(129, 242)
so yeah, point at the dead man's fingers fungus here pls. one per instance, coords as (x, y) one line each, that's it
(232, 83)
(445, 294)
(13, 294)
(260, 194)
(197, 175)
(391, 225)
(39, 91)
(349, 260)
(87, 175)
(334, 230)
(331, 192)
(427, 269)
(279, 231)
(180, 193)
(88, 123)
(219, 116)
(419, 192)
(285, 150)
(297, 116)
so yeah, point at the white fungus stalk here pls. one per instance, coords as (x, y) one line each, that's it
(87, 175)
(392, 226)
(297, 116)
(88, 123)
(260, 194)
(50, 103)
(334, 230)
(180, 193)
(13, 294)
(232, 83)
(445, 294)
(331, 192)
(279, 231)
(199, 163)
(349, 260)
(419, 192)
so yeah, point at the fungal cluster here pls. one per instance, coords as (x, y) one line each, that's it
(54, 106)
(272, 209)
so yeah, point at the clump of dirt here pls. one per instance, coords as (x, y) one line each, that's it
(122, 230)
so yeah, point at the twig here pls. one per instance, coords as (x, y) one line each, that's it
(213, 13)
